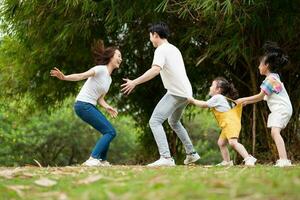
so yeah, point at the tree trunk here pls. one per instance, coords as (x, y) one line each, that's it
(254, 129)
(253, 79)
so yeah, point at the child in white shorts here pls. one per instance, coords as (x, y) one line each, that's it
(274, 93)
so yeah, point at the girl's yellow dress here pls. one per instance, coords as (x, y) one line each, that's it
(229, 121)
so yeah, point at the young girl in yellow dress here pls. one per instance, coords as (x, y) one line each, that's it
(228, 115)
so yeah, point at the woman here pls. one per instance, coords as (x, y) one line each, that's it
(93, 92)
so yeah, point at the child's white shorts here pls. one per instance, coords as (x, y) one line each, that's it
(279, 120)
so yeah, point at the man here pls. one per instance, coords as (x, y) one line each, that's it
(167, 62)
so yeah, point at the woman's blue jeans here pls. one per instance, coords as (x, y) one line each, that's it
(91, 115)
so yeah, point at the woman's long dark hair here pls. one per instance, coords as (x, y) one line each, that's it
(227, 89)
(101, 54)
(274, 56)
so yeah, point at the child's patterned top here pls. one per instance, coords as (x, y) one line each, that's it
(271, 84)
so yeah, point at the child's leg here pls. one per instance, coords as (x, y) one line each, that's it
(223, 148)
(238, 147)
(275, 132)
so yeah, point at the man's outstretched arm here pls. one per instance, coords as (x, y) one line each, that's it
(148, 75)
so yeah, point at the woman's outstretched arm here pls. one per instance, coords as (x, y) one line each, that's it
(72, 77)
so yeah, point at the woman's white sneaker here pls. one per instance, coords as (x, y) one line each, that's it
(92, 162)
(105, 163)
(162, 162)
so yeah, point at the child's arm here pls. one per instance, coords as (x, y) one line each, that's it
(198, 103)
(251, 99)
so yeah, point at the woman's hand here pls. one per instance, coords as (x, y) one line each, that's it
(112, 111)
(57, 73)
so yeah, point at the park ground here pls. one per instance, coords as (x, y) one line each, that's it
(263, 182)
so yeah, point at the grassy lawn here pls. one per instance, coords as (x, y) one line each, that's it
(139, 182)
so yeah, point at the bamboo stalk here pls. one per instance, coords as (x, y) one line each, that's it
(254, 129)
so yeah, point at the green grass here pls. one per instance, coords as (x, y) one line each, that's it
(138, 182)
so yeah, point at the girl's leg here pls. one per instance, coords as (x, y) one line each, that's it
(222, 143)
(90, 114)
(238, 147)
(275, 132)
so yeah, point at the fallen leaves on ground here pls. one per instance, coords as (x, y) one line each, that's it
(45, 182)
(90, 179)
(55, 195)
(18, 189)
(11, 173)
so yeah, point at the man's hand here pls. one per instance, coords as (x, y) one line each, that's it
(128, 86)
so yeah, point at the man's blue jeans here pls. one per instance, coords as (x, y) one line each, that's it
(91, 115)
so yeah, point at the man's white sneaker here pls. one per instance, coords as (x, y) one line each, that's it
(250, 161)
(191, 158)
(225, 163)
(92, 162)
(162, 162)
(283, 163)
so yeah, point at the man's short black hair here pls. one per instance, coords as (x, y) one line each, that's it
(161, 29)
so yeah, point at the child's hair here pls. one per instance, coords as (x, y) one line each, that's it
(227, 89)
(274, 56)
(102, 55)
(160, 28)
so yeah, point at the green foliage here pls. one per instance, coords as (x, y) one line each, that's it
(204, 132)
(59, 138)
(124, 148)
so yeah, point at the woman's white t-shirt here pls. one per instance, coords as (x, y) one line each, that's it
(173, 74)
(95, 86)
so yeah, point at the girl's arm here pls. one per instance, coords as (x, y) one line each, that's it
(199, 103)
(112, 111)
(252, 99)
(72, 77)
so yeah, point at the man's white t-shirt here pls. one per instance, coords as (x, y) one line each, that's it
(172, 73)
(95, 86)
